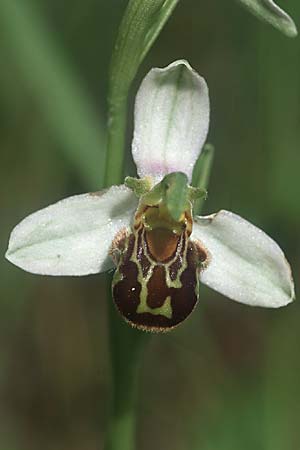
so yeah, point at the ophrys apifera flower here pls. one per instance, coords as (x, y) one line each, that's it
(146, 229)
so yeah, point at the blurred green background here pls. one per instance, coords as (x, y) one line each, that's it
(228, 378)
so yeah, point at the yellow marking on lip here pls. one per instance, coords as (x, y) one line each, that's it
(164, 310)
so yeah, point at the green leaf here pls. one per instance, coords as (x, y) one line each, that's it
(142, 22)
(268, 11)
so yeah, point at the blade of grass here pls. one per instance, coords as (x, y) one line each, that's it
(57, 89)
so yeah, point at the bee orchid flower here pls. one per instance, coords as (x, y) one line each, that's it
(145, 228)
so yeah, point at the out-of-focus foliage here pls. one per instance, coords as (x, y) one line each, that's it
(228, 377)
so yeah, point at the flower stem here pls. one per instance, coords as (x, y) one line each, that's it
(126, 348)
(141, 24)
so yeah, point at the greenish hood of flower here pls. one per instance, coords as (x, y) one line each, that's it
(172, 193)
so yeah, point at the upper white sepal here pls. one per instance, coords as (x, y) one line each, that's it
(245, 265)
(73, 236)
(171, 121)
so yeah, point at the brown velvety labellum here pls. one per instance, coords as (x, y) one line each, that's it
(155, 286)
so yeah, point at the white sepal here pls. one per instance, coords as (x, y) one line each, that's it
(171, 121)
(245, 265)
(73, 236)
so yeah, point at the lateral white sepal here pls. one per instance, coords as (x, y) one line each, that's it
(245, 265)
(72, 236)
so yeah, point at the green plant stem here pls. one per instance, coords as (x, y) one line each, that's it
(141, 24)
(126, 349)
